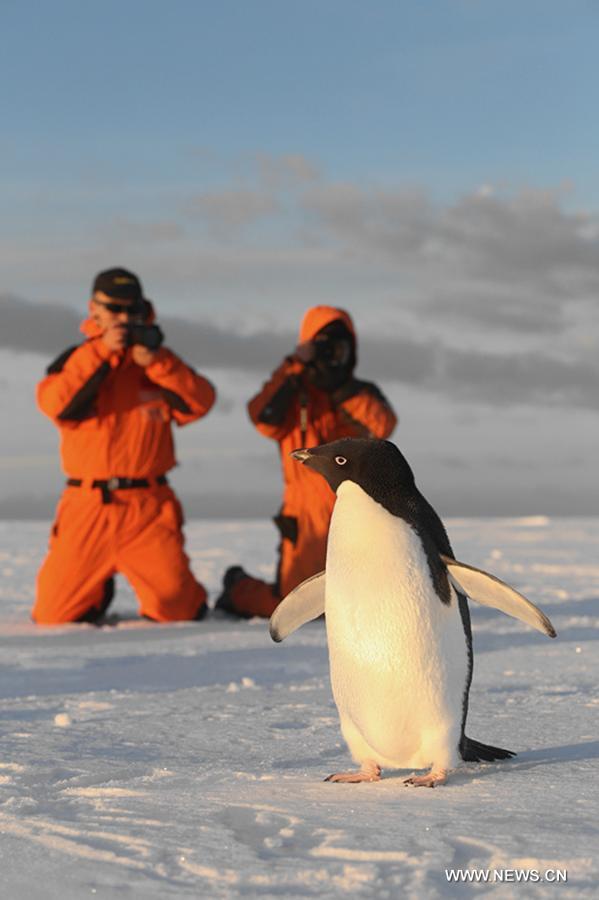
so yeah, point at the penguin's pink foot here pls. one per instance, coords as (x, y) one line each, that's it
(370, 771)
(430, 780)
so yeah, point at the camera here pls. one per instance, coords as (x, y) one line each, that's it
(149, 336)
(332, 351)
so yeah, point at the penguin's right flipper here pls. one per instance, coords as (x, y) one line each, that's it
(304, 603)
(491, 591)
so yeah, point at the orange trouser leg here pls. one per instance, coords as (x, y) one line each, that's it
(138, 534)
(304, 558)
(71, 581)
(254, 597)
(297, 561)
(154, 561)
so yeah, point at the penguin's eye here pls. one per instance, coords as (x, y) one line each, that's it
(340, 460)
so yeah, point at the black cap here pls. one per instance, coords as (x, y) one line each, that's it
(120, 284)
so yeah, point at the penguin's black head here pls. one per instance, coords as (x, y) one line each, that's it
(378, 467)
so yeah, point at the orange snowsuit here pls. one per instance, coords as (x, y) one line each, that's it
(115, 421)
(357, 409)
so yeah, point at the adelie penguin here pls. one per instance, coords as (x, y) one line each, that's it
(397, 619)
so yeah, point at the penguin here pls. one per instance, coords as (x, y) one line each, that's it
(397, 617)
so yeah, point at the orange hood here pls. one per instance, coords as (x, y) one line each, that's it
(319, 317)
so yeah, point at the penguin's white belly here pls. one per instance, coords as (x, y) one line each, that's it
(398, 655)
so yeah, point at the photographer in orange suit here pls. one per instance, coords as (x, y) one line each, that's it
(311, 398)
(114, 399)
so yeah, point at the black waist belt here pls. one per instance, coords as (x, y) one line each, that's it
(107, 485)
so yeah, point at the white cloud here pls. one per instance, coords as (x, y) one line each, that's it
(279, 236)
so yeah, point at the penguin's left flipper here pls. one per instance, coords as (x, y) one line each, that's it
(304, 603)
(491, 591)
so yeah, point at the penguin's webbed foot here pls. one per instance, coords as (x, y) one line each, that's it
(370, 771)
(430, 780)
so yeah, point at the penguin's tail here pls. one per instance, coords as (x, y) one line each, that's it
(474, 751)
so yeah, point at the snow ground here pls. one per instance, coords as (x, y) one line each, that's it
(149, 761)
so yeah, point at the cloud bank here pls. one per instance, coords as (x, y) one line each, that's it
(489, 299)
(503, 379)
(275, 229)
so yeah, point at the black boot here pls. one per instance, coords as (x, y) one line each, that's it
(96, 615)
(224, 602)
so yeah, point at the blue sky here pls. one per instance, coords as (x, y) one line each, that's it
(433, 166)
(149, 94)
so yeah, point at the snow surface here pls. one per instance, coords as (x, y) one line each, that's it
(146, 761)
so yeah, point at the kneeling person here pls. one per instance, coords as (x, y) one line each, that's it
(312, 397)
(114, 399)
